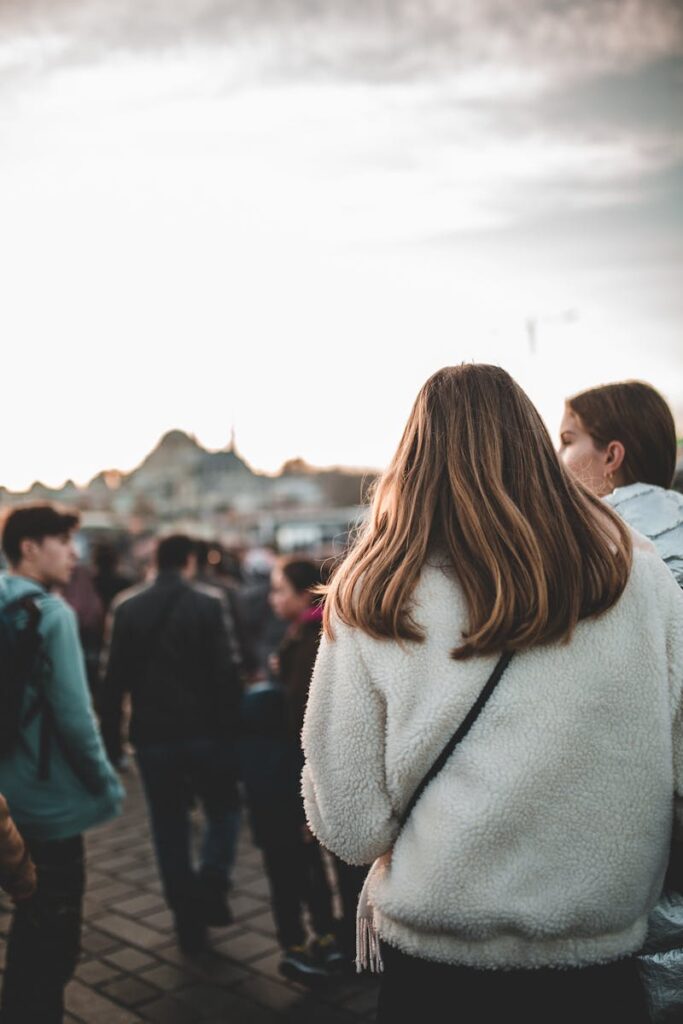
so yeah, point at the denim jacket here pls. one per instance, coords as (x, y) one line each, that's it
(658, 515)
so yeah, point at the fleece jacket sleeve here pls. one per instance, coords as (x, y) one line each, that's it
(344, 785)
(67, 692)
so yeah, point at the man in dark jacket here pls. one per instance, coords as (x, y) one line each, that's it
(171, 652)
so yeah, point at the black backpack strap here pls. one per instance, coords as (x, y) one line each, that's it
(46, 731)
(460, 732)
(41, 706)
(34, 667)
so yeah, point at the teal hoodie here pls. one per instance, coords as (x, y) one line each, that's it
(82, 789)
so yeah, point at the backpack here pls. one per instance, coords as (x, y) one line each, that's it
(21, 656)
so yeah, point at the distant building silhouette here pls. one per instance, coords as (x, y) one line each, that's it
(216, 493)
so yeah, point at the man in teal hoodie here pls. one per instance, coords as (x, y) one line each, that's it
(56, 777)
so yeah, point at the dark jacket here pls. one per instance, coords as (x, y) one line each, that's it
(170, 651)
(270, 763)
(298, 652)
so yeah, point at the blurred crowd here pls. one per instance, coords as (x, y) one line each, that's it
(196, 663)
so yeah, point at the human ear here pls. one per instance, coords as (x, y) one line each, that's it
(615, 455)
(27, 549)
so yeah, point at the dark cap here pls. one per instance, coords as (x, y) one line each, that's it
(34, 522)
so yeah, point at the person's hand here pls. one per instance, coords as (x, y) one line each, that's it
(25, 894)
(23, 885)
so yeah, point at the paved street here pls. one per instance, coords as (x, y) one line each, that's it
(131, 970)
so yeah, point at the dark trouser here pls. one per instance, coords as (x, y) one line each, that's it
(174, 774)
(350, 879)
(44, 939)
(415, 989)
(296, 873)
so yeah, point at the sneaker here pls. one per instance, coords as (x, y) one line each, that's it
(191, 933)
(297, 964)
(327, 952)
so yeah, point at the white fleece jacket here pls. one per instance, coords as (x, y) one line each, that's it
(545, 839)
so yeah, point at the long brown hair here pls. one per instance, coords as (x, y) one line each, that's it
(635, 414)
(476, 474)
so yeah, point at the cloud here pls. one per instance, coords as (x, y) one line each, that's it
(370, 39)
(477, 114)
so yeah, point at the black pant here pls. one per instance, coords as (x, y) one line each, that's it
(173, 774)
(296, 874)
(45, 936)
(414, 989)
(350, 879)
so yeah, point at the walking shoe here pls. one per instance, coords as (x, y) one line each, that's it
(327, 952)
(297, 964)
(191, 933)
(212, 891)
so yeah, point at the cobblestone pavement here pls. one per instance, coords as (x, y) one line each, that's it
(132, 971)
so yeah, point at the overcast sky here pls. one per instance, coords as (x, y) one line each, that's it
(286, 214)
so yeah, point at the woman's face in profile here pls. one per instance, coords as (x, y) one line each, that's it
(581, 456)
(286, 602)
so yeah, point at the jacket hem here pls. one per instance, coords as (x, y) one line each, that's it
(511, 951)
(44, 832)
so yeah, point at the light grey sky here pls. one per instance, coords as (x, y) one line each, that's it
(286, 215)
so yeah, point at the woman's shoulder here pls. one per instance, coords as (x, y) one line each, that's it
(651, 582)
(649, 509)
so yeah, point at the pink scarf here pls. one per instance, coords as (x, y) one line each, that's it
(312, 614)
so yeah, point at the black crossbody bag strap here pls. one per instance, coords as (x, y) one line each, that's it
(27, 603)
(460, 732)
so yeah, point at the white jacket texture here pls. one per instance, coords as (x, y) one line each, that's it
(545, 838)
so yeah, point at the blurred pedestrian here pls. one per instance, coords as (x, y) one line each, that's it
(170, 651)
(81, 595)
(206, 582)
(107, 578)
(491, 595)
(293, 857)
(264, 630)
(53, 768)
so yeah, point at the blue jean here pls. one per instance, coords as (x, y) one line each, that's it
(175, 774)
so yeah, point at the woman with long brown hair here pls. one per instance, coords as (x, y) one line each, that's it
(491, 592)
(620, 441)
